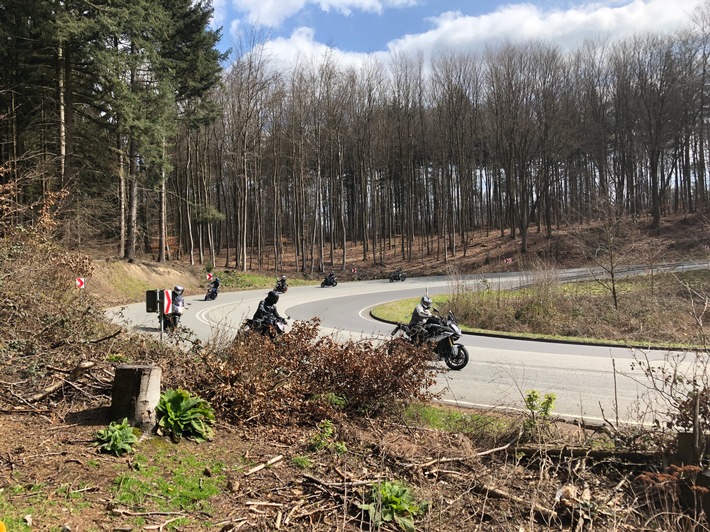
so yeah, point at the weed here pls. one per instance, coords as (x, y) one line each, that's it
(117, 438)
(392, 502)
(181, 414)
(324, 439)
(539, 409)
(303, 462)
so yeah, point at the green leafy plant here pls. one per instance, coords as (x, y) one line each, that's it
(325, 439)
(303, 462)
(117, 438)
(539, 409)
(393, 502)
(181, 414)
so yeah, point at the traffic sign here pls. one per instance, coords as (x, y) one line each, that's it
(167, 301)
(80, 282)
(210, 276)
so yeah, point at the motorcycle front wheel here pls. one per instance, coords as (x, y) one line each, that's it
(322, 285)
(457, 358)
(335, 283)
(403, 277)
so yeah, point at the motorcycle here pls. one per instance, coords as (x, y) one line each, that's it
(441, 335)
(281, 287)
(398, 275)
(171, 321)
(330, 280)
(211, 294)
(270, 326)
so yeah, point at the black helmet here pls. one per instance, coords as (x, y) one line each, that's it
(426, 302)
(272, 298)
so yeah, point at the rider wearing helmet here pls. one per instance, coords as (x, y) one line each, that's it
(178, 305)
(422, 316)
(281, 284)
(267, 307)
(422, 312)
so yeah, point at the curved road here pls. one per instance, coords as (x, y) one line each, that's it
(588, 381)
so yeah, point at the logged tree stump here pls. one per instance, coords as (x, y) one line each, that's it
(136, 392)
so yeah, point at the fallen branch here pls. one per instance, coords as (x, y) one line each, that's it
(340, 485)
(74, 375)
(61, 343)
(486, 490)
(576, 452)
(121, 511)
(262, 466)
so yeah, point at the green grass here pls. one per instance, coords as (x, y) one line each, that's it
(554, 311)
(232, 280)
(450, 420)
(170, 482)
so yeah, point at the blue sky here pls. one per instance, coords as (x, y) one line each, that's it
(356, 29)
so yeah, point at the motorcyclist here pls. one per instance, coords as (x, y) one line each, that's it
(422, 316)
(281, 284)
(267, 307)
(215, 284)
(178, 299)
(329, 278)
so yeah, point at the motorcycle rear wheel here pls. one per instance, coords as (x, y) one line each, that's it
(457, 358)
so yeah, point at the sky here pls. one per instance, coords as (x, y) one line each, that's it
(353, 30)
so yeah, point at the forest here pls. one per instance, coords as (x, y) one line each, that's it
(125, 119)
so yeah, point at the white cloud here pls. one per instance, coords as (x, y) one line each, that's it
(455, 31)
(302, 48)
(569, 28)
(274, 12)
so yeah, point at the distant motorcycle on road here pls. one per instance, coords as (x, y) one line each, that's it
(397, 275)
(330, 280)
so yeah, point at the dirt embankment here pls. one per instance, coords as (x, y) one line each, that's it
(119, 282)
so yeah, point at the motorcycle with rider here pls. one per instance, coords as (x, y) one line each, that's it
(266, 319)
(170, 321)
(330, 280)
(281, 285)
(438, 334)
(213, 289)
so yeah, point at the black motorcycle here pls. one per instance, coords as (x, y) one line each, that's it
(281, 286)
(211, 294)
(330, 280)
(398, 275)
(440, 335)
(270, 326)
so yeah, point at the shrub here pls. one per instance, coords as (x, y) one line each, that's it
(304, 375)
(180, 414)
(392, 502)
(117, 438)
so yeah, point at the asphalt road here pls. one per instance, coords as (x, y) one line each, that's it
(588, 381)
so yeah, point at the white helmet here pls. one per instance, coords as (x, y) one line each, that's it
(426, 302)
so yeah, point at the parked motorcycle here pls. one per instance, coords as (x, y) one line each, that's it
(397, 275)
(440, 335)
(330, 280)
(281, 286)
(211, 294)
(268, 326)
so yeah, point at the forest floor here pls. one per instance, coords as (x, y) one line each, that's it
(479, 472)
